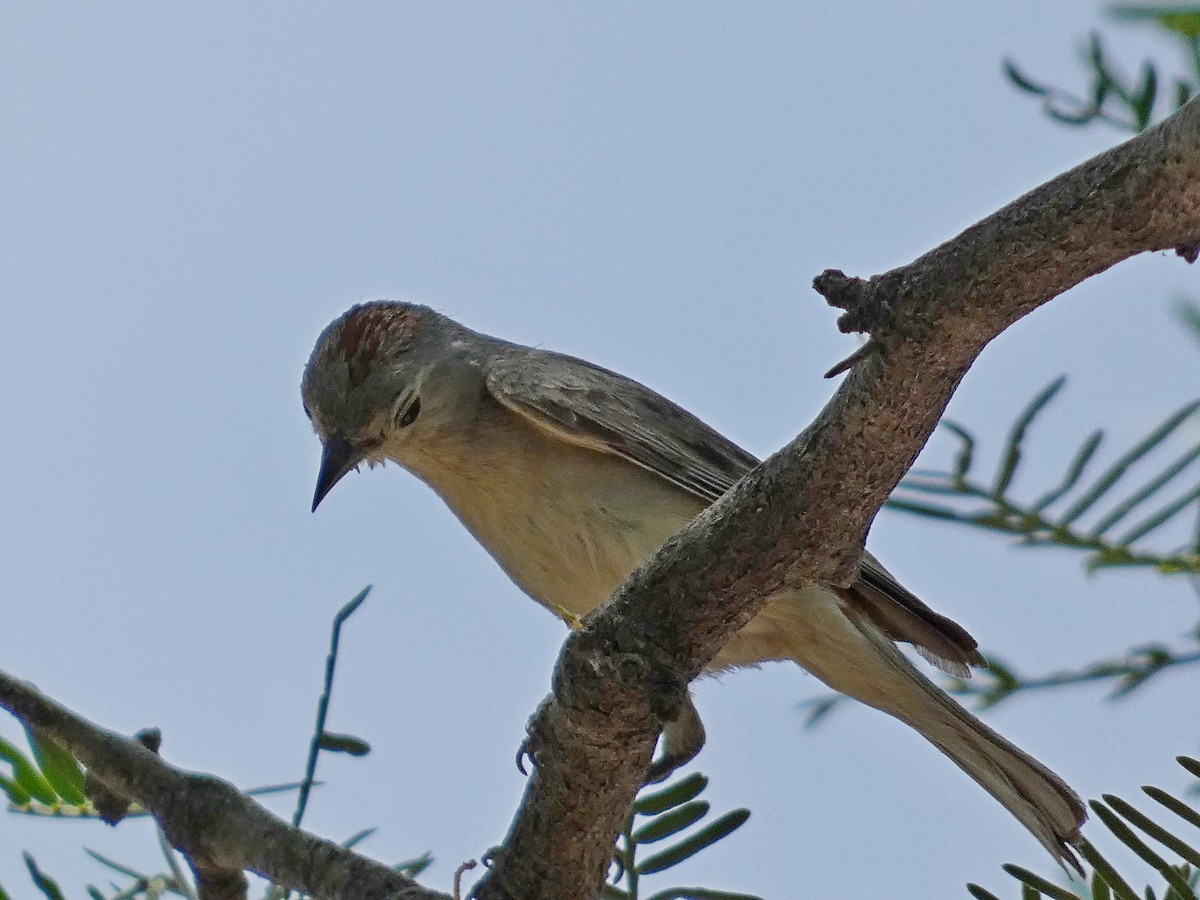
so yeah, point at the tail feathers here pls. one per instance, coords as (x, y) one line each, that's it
(1038, 798)
(853, 656)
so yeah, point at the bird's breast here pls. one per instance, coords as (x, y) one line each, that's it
(568, 524)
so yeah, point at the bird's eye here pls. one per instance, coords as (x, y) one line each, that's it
(407, 414)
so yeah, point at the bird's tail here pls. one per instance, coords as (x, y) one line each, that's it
(854, 657)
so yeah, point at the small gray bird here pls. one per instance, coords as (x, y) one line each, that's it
(571, 476)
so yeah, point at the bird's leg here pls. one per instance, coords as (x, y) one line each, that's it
(682, 739)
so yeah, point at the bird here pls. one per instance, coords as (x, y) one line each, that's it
(571, 476)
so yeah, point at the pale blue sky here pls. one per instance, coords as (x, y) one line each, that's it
(192, 191)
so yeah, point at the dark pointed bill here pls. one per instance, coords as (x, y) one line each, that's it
(338, 458)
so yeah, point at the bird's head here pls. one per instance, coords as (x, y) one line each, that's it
(362, 385)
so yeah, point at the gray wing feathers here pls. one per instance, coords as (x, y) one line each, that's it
(591, 406)
(901, 615)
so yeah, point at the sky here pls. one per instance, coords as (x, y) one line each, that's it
(193, 191)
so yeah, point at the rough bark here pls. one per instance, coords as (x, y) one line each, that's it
(220, 830)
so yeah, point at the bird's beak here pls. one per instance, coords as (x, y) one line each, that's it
(338, 458)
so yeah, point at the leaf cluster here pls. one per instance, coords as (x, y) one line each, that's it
(1128, 103)
(1091, 515)
(1137, 831)
(665, 815)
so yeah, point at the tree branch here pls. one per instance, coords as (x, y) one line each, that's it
(803, 514)
(220, 830)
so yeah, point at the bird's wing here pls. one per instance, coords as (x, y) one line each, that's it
(901, 615)
(595, 408)
(592, 407)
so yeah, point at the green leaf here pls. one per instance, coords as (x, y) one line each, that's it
(411, 868)
(26, 775)
(1106, 871)
(1004, 683)
(1160, 518)
(1127, 837)
(351, 606)
(966, 452)
(1183, 93)
(1122, 464)
(1022, 81)
(614, 893)
(1074, 471)
(1039, 884)
(980, 893)
(1105, 82)
(620, 864)
(1083, 117)
(1191, 765)
(1016, 436)
(1182, 20)
(1152, 828)
(44, 882)
(1143, 99)
(671, 822)
(1095, 58)
(171, 855)
(113, 864)
(689, 847)
(1181, 809)
(4, 894)
(17, 795)
(1189, 313)
(1100, 88)
(319, 732)
(1149, 660)
(343, 743)
(275, 789)
(60, 768)
(819, 708)
(94, 893)
(680, 792)
(1152, 487)
(357, 838)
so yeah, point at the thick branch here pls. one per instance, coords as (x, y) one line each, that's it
(219, 829)
(803, 514)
